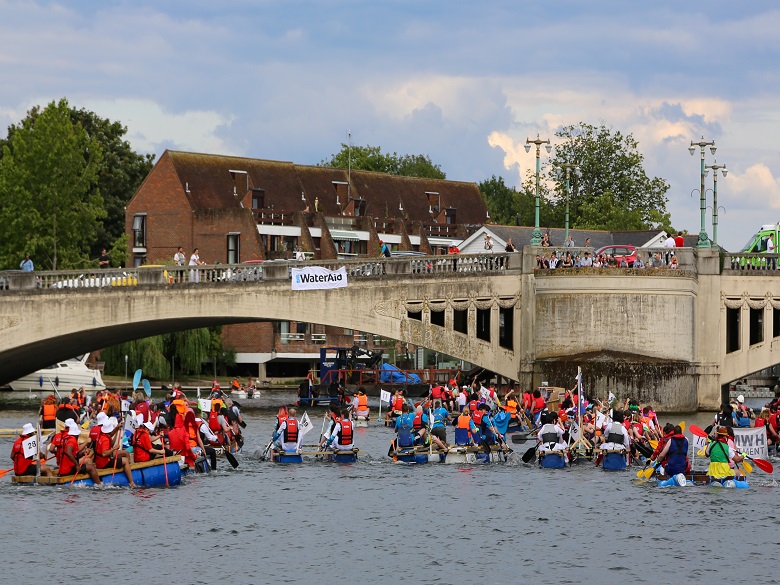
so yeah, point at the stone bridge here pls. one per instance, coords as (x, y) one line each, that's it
(672, 337)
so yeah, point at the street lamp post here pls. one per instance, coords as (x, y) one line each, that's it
(715, 168)
(704, 241)
(536, 237)
(568, 167)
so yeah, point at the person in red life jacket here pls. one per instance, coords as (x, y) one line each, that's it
(108, 454)
(334, 415)
(141, 405)
(396, 407)
(342, 437)
(286, 436)
(179, 442)
(27, 465)
(67, 452)
(668, 431)
(538, 405)
(527, 403)
(48, 412)
(143, 449)
(420, 426)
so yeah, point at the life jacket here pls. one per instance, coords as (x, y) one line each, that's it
(65, 465)
(345, 434)
(135, 441)
(291, 431)
(234, 385)
(477, 417)
(615, 436)
(677, 461)
(549, 434)
(21, 463)
(398, 402)
(49, 412)
(462, 429)
(417, 423)
(511, 407)
(217, 404)
(362, 402)
(436, 392)
(180, 405)
(638, 428)
(539, 404)
(192, 431)
(528, 400)
(214, 421)
(473, 406)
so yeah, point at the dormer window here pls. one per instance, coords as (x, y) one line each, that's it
(449, 215)
(258, 198)
(434, 201)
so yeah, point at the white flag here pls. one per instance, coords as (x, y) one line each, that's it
(611, 398)
(204, 405)
(125, 405)
(198, 392)
(384, 396)
(601, 420)
(574, 431)
(699, 443)
(485, 393)
(305, 425)
(30, 446)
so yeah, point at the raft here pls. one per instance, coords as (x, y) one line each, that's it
(361, 419)
(347, 456)
(614, 460)
(453, 455)
(701, 478)
(552, 459)
(146, 474)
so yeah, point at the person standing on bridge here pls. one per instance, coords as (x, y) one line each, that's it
(195, 261)
(179, 257)
(27, 264)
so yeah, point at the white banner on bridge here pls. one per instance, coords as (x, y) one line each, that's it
(317, 277)
(752, 442)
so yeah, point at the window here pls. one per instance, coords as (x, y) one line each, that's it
(233, 248)
(732, 330)
(756, 326)
(258, 198)
(483, 324)
(139, 231)
(506, 327)
(449, 214)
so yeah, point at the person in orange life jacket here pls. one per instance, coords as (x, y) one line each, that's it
(192, 426)
(674, 455)
(67, 451)
(360, 404)
(48, 413)
(465, 429)
(27, 465)
(143, 449)
(286, 436)
(342, 437)
(67, 410)
(107, 451)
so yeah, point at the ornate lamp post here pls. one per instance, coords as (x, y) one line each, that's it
(715, 168)
(568, 167)
(536, 238)
(704, 241)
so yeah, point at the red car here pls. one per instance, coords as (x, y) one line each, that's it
(619, 252)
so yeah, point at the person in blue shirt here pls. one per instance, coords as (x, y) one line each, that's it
(27, 264)
(404, 424)
(439, 428)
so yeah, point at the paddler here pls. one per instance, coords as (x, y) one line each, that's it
(360, 403)
(551, 434)
(342, 437)
(617, 438)
(465, 429)
(721, 454)
(674, 454)
(28, 465)
(107, 451)
(143, 450)
(67, 452)
(285, 437)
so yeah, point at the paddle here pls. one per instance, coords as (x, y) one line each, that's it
(136, 379)
(762, 464)
(529, 455)
(147, 388)
(268, 448)
(230, 457)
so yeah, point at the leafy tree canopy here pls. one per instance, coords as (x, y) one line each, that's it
(371, 158)
(50, 204)
(610, 190)
(119, 173)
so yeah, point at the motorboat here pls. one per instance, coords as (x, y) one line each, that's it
(64, 376)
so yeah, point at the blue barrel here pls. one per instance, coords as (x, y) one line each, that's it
(342, 457)
(288, 458)
(155, 475)
(552, 460)
(614, 461)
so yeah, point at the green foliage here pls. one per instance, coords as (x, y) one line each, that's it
(50, 204)
(120, 171)
(147, 353)
(508, 206)
(118, 252)
(371, 158)
(611, 190)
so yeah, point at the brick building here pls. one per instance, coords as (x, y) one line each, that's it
(236, 209)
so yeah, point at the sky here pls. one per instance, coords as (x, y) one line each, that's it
(463, 82)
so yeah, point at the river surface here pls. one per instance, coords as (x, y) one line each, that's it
(381, 522)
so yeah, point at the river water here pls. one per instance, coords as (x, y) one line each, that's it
(381, 522)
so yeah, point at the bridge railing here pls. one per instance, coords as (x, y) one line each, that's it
(741, 262)
(271, 270)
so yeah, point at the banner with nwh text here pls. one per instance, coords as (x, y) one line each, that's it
(751, 442)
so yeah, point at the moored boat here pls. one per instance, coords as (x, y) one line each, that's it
(64, 375)
(146, 474)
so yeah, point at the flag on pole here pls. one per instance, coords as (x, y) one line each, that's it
(485, 393)
(305, 425)
(198, 392)
(611, 398)
(384, 396)
(204, 405)
(574, 431)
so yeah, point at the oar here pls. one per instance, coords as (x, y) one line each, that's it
(699, 432)
(230, 457)
(762, 464)
(268, 448)
(136, 379)
(147, 388)
(529, 455)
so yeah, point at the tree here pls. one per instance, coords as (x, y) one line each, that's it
(508, 206)
(50, 204)
(120, 172)
(611, 189)
(371, 158)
